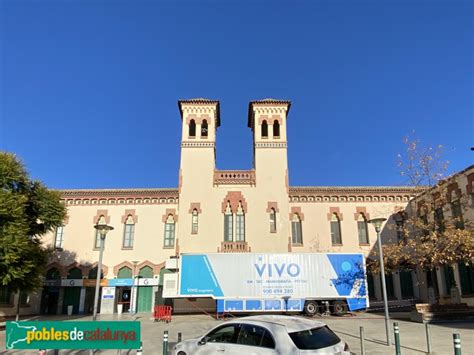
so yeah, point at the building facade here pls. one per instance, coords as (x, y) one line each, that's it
(211, 210)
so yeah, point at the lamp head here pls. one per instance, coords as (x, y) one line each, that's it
(377, 222)
(103, 229)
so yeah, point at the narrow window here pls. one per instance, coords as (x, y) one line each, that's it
(273, 227)
(362, 229)
(336, 237)
(240, 224)
(296, 232)
(276, 129)
(192, 128)
(194, 222)
(98, 239)
(128, 233)
(264, 129)
(400, 226)
(169, 232)
(456, 212)
(59, 238)
(204, 128)
(228, 227)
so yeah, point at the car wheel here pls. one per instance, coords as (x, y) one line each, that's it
(311, 308)
(339, 308)
(181, 353)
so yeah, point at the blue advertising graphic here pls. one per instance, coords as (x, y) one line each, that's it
(273, 281)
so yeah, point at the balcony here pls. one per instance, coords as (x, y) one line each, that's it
(234, 247)
(234, 177)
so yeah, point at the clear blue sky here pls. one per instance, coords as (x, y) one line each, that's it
(88, 89)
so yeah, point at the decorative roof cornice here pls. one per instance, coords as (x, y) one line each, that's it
(201, 102)
(120, 196)
(265, 103)
(352, 193)
(356, 189)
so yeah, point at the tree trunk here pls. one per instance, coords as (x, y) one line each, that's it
(18, 306)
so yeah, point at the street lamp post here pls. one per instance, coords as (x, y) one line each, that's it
(377, 222)
(103, 229)
(134, 289)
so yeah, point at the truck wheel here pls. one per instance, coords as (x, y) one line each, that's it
(311, 308)
(339, 308)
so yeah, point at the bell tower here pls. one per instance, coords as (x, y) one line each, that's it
(200, 118)
(267, 119)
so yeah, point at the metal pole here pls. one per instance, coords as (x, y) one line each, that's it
(428, 337)
(165, 343)
(396, 330)
(457, 343)
(99, 271)
(362, 345)
(384, 288)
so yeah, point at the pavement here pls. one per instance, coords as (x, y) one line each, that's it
(412, 335)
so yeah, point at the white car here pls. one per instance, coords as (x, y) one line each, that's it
(266, 334)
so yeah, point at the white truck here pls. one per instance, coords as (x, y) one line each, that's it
(270, 282)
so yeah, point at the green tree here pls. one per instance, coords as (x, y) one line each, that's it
(28, 210)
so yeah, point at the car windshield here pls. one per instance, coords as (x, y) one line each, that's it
(316, 338)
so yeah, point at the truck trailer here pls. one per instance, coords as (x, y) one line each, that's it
(268, 282)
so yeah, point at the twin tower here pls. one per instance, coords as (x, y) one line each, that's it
(214, 195)
(201, 118)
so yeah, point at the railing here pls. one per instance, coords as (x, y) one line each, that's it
(234, 247)
(234, 177)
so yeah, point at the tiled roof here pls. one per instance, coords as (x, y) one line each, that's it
(119, 192)
(202, 101)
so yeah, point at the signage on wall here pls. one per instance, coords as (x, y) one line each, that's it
(147, 282)
(71, 283)
(121, 282)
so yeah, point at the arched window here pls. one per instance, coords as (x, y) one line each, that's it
(169, 232)
(240, 224)
(128, 233)
(192, 128)
(228, 224)
(98, 239)
(194, 222)
(93, 273)
(273, 227)
(276, 129)
(53, 274)
(362, 229)
(74, 273)
(296, 231)
(125, 273)
(336, 237)
(146, 272)
(264, 129)
(204, 128)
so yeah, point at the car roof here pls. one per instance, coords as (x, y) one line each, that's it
(291, 323)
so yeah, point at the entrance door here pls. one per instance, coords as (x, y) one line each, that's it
(124, 294)
(49, 300)
(406, 283)
(144, 298)
(72, 297)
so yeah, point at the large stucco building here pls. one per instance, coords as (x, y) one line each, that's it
(210, 211)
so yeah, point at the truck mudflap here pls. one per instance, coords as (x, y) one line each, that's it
(260, 305)
(355, 304)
